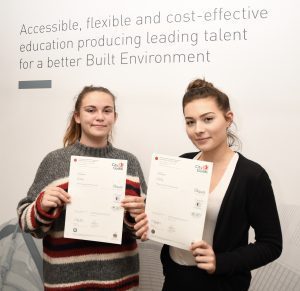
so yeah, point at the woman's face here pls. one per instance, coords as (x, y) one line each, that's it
(96, 117)
(206, 124)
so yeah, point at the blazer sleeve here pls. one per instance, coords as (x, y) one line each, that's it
(263, 217)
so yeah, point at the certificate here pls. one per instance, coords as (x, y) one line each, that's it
(177, 199)
(96, 187)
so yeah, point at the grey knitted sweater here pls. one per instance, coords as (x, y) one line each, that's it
(71, 264)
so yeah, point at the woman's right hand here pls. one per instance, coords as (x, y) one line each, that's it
(54, 197)
(204, 256)
(141, 226)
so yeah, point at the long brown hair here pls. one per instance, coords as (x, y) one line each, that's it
(200, 89)
(73, 132)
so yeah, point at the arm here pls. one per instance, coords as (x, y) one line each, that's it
(43, 204)
(263, 217)
(134, 202)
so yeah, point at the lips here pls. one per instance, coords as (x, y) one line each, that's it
(99, 125)
(202, 140)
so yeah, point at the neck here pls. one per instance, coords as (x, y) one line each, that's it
(89, 151)
(94, 143)
(217, 156)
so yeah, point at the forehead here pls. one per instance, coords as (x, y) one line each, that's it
(201, 106)
(97, 99)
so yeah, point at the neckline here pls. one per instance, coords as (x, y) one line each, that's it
(225, 179)
(228, 171)
(93, 151)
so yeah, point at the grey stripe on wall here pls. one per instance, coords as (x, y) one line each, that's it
(35, 84)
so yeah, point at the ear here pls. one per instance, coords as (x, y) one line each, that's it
(116, 116)
(229, 117)
(76, 117)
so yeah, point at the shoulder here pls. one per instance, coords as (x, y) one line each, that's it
(54, 166)
(133, 165)
(250, 164)
(57, 153)
(250, 168)
(124, 155)
(56, 156)
(189, 155)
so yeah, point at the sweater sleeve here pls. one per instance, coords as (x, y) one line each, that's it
(263, 217)
(31, 216)
(137, 187)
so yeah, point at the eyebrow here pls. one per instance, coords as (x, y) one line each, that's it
(89, 106)
(93, 106)
(202, 115)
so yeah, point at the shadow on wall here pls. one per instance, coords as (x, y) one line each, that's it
(21, 265)
(151, 276)
(21, 260)
(284, 273)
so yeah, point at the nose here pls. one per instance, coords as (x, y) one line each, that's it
(199, 128)
(100, 116)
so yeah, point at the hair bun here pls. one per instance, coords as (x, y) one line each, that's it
(199, 83)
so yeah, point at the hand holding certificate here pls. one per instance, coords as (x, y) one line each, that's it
(96, 186)
(177, 199)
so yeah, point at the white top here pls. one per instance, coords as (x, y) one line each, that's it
(215, 198)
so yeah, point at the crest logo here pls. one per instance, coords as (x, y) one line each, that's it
(118, 166)
(202, 169)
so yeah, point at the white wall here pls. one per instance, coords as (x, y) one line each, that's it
(259, 73)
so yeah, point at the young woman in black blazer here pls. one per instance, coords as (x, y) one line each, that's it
(241, 196)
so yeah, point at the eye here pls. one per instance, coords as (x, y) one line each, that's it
(108, 110)
(89, 109)
(189, 122)
(208, 119)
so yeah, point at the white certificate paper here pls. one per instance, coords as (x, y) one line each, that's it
(96, 187)
(177, 199)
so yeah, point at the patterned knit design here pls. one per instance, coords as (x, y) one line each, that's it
(71, 264)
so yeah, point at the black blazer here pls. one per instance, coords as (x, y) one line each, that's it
(248, 201)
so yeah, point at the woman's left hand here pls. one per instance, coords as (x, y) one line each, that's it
(141, 226)
(204, 256)
(135, 205)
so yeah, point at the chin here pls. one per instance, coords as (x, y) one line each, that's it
(99, 134)
(201, 146)
(198, 147)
